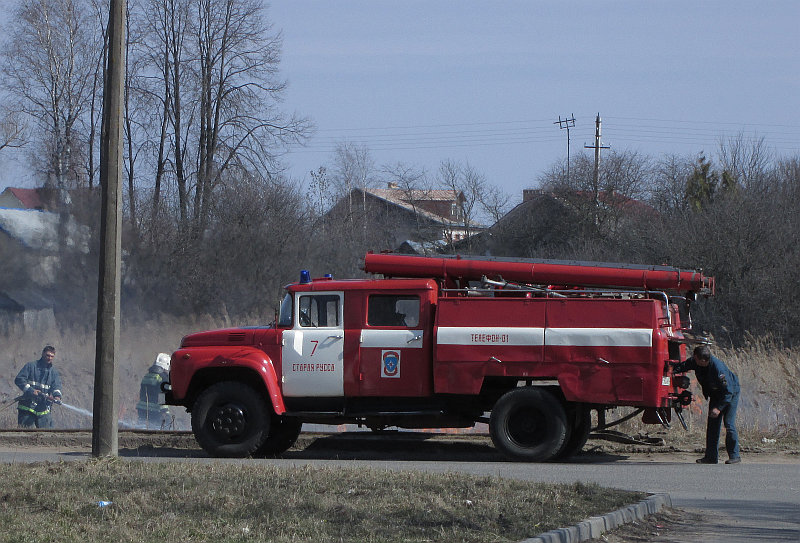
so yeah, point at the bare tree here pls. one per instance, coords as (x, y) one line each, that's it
(12, 131)
(623, 177)
(467, 186)
(494, 203)
(788, 175)
(48, 67)
(164, 95)
(743, 161)
(320, 194)
(240, 126)
(100, 10)
(668, 188)
(206, 88)
(353, 168)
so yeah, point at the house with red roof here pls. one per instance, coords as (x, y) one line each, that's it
(19, 198)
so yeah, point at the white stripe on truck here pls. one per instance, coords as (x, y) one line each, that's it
(557, 337)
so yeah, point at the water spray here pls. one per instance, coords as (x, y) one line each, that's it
(77, 409)
(89, 414)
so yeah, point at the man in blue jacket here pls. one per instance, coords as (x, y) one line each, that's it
(721, 387)
(40, 384)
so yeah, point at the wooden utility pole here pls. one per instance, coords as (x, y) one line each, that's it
(104, 422)
(566, 123)
(596, 177)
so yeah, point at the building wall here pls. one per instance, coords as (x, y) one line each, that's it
(387, 224)
(442, 208)
(7, 199)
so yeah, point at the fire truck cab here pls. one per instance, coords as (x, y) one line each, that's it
(528, 347)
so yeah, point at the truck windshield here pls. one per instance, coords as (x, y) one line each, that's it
(285, 316)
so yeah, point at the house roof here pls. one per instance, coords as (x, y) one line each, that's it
(416, 195)
(422, 247)
(620, 201)
(612, 199)
(18, 300)
(29, 198)
(9, 304)
(405, 199)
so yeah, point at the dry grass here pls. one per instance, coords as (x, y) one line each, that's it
(768, 374)
(234, 502)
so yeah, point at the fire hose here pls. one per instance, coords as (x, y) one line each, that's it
(8, 403)
(49, 398)
(620, 437)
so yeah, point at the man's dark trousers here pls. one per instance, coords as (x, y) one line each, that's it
(728, 417)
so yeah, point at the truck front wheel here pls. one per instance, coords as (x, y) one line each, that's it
(283, 433)
(230, 419)
(529, 424)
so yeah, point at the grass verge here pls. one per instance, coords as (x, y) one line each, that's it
(231, 502)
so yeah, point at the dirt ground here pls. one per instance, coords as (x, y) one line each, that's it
(408, 445)
(667, 526)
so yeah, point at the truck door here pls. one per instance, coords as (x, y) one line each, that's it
(312, 351)
(394, 348)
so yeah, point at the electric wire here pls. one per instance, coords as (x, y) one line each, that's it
(625, 131)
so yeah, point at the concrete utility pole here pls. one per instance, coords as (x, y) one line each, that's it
(566, 123)
(596, 177)
(104, 422)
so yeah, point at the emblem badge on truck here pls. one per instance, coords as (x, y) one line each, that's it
(390, 364)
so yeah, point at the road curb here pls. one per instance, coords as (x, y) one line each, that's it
(594, 527)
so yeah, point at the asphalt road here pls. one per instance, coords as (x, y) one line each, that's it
(757, 500)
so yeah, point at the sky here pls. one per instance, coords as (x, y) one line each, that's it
(485, 83)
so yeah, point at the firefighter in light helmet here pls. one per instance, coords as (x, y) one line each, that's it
(151, 409)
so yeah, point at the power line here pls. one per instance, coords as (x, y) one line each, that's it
(630, 130)
(414, 126)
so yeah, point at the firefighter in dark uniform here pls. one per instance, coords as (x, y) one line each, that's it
(721, 387)
(151, 409)
(40, 384)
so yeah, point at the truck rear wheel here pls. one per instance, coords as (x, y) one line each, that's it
(283, 433)
(580, 418)
(529, 424)
(230, 419)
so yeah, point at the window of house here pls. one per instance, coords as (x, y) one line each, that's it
(393, 310)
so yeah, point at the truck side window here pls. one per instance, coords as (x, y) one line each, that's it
(285, 316)
(319, 311)
(393, 310)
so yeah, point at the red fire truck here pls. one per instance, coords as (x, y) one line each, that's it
(529, 347)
